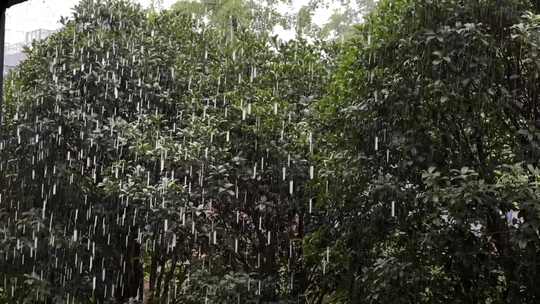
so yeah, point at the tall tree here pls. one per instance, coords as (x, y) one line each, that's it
(157, 156)
(434, 102)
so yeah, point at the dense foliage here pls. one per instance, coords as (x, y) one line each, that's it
(189, 156)
(431, 149)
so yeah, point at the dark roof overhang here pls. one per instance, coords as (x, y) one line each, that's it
(9, 3)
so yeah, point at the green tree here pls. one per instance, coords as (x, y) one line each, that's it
(157, 157)
(427, 88)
